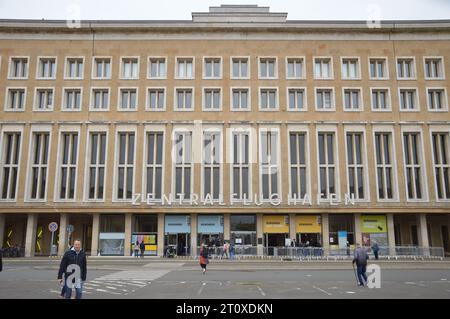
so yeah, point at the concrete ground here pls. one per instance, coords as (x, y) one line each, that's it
(117, 278)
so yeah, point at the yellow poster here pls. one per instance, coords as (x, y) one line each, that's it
(308, 224)
(373, 224)
(276, 224)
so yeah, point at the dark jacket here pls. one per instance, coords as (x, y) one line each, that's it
(71, 257)
(360, 257)
(142, 246)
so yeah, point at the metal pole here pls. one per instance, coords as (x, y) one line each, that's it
(51, 245)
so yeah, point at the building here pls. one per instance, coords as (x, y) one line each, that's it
(241, 125)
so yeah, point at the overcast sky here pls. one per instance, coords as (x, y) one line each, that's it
(181, 9)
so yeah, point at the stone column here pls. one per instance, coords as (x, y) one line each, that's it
(358, 233)
(325, 234)
(95, 233)
(391, 233)
(160, 241)
(63, 221)
(30, 238)
(128, 230)
(2, 229)
(226, 227)
(259, 234)
(423, 233)
(292, 226)
(193, 234)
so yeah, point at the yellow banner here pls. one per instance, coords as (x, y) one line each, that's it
(373, 224)
(308, 224)
(276, 224)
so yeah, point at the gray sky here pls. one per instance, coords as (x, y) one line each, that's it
(181, 9)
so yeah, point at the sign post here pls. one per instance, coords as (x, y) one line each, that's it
(52, 227)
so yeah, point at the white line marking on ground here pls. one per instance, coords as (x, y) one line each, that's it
(320, 289)
(350, 292)
(261, 291)
(111, 287)
(201, 288)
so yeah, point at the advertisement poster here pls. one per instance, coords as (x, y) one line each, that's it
(342, 238)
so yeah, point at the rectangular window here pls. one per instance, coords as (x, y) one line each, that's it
(18, 68)
(297, 165)
(267, 68)
(128, 99)
(44, 100)
(72, 99)
(295, 68)
(74, 68)
(269, 164)
(102, 68)
(241, 166)
(130, 68)
(437, 100)
(380, 99)
(157, 68)
(10, 160)
(97, 165)
(16, 99)
(322, 68)
(324, 99)
(125, 167)
(297, 99)
(441, 161)
(413, 165)
(183, 165)
(185, 68)
(39, 165)
(211, 165)
(47, 68)
(384, 163)
(154, 165)
(408, 99)
(100, 99)
(213, 67)
(434, 68)
(268, 99)
(378, 68)
(327, 165)
(350, 68)
(156, 99)
(355, 165)
(184, 99)
(352, 99)
(241, 99)
(240, 68)
(212, 99)
(68, 166)
(405, 68)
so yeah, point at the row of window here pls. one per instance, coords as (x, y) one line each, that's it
(268, 99)
(184, 153)
(239, 68)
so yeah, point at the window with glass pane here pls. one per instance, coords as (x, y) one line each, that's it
(39, 165)
(269, 164)
(378, 68)
(413, 165)
(125, 167)
(268, 99)
(267, 67)
(154, 165)
(16, 100)
(185, 68)
(157, 68)
(156, 99)
(355, 165)
(436, 99)
(241, 166)
(9, 164)
(433, 68)
(383, 153)
(102, 68)
(405, 68)
(441, 161)
(184, 99)
(240, 68)
(297, 162)
(352, 99)
(183, 164)
(322, 68)
(408, 100)
(72, 99)
(380, 99)
(211, 165)
(212, 99)
(19, 68)
(128, 99)
(44, 99)
(240, 99)
(324, 99)
(327, 166)
(212, 68)
(295, 68)
(100, 99)
(130, 68)
(74, 68)
(68, 165)
(47, 67)
(350, 68)
(97, 165)
(296, 99)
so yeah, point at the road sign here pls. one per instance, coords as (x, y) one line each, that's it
(52, 227)
(69, 228)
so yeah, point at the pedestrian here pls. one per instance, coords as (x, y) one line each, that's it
(232, 251)
(136, 249)
(142, 247)
(225, 251)
(203, 258)
(74, 256)
(360, 258)
(348, 248)
(375, 249)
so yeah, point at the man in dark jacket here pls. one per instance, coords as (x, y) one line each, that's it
(360, 258)
(142, 247)
(74, 256)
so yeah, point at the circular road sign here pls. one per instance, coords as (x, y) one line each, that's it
(52, 227)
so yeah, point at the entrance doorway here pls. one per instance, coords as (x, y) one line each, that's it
(309, 239)
(179, 242)
(211, 240)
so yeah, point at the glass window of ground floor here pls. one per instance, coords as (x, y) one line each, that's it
(308, 230)
(276, 230)
(341, 230)
(243, 230)
(374, 230)
(177, 235)
(210, 230)
(112, 235)
(145, 229)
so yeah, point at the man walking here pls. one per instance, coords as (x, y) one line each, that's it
(375, 249)
(360, 258)
(142, 246)
(74, 256)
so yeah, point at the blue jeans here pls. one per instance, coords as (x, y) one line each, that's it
(78, 291)
(362, 277)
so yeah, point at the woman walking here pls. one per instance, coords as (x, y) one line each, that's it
(203, 258)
